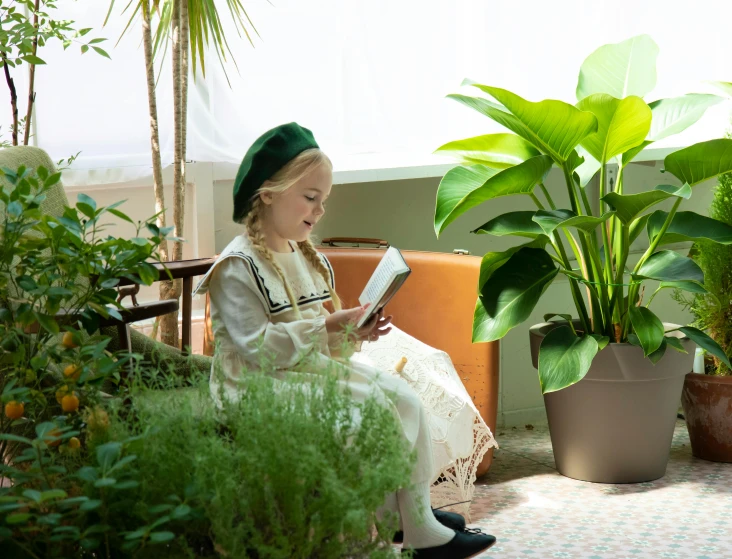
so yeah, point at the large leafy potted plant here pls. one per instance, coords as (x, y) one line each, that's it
(610, 387)
(707, 398)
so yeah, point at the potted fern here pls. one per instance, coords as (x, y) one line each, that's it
(707, 398)
(611, 386)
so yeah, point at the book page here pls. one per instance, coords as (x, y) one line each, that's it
(384, 283)
(381, 278)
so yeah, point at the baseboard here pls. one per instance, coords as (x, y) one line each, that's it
(520, 418)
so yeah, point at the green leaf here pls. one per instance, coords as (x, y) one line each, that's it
(31, 59)
(14, 438)
(148, 274)
(554, 127)
(637, 227)
(701, 161)
(105, 482)
(181, 511)
(648, 327)
(587, 169)
(89, 201)
(47, 322)
(622, 124)
(17, 518)
(511, 293)
(161, 537)
(513, 223)
(667, 265)
(671, 116)
(498, 151)
(549, 220)
(108, 454)
(494, 260)
(566, 317)
(629, 155)
(628, 206)
(101, 51)
(90, 505)
(120, 215)
(463, 188)
(564, 359)
(33, 495)
(87, 473)
(656, 356)
(705, 342)
(675, 343)
(689, 226)
(602, 341)
(129, 484)
(620, 69)
(690, 286)
(53, 494)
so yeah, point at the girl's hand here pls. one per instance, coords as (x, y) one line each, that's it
(376, 327)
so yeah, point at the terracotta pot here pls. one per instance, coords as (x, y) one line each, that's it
(707, 401)
(617, 423)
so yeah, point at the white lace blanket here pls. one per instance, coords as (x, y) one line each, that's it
(460, 437)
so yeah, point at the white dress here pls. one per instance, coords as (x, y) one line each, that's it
(251, 312)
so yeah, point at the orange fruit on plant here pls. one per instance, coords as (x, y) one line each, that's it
(53, 433)
(61, 392)
(69, 340)
(14, 410)
(74, 443)
(70, 403)
(73, 371)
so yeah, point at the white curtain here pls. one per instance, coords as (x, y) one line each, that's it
(369, 78)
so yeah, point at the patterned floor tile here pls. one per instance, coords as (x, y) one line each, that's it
(538, 514)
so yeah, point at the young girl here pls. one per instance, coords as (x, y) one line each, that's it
(267, 290)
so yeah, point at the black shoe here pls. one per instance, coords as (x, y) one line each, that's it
(465, 544)
(450, 520)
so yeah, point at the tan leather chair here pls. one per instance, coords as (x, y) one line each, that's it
(435, 305)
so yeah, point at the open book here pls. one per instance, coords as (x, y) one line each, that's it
(384, 283)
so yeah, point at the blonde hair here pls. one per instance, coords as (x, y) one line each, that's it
(284, 179)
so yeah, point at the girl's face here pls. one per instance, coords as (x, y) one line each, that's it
(292, 214)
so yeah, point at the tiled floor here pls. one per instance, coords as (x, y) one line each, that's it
(538, 514)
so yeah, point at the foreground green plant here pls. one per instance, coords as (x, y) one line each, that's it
(283, 473)
(610, 123)
(57, 283)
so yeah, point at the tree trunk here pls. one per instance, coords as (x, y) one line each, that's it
(169, 323)
(154, 134)
(32, 82)
(13, 99)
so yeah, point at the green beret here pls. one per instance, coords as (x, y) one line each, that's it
(269, 153)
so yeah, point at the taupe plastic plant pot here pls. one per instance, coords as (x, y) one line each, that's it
(616, 424)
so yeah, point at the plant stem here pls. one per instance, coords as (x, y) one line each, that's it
(576, 293)
(537, 201)
(547, 196)
(633, 291)
(570, 190)
(31, 84)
